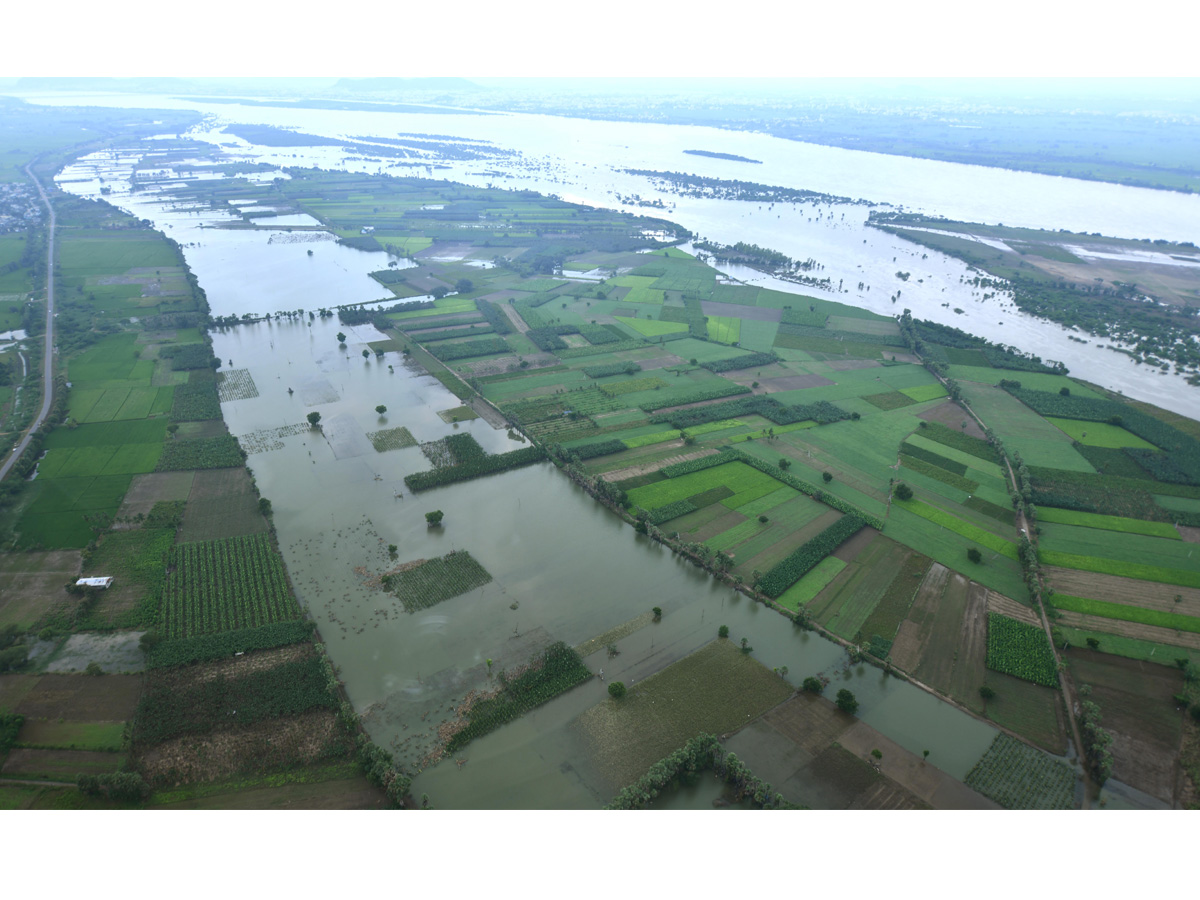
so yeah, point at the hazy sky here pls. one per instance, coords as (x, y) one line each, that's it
(615, 37)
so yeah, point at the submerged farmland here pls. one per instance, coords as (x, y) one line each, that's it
(672, 478)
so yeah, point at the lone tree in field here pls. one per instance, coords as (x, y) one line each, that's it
(846, 701)
(785, 464)
(434, 518)
(463, 285)
(903, 492)
(381, 409)
(827, 477)
(341, 339)
(974, 555)
(812, 685)
(314, 419)
(986, 692)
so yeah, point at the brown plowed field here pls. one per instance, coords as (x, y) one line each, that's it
(1006, 606)
(87, 698)
(270, 744)
(1136, 707)
(916, 631)
(59, 765)
(1132, 630)
(951, 415)
(31, 584)
(647, 468)
(1130, 591)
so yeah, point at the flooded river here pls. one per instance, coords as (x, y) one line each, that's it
(563, 567)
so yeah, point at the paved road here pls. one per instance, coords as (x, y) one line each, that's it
(48, 361)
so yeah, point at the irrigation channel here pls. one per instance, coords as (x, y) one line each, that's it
(563, 567)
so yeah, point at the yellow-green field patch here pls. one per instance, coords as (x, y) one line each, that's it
(813, 582)
(651, 327)
(1100, 434)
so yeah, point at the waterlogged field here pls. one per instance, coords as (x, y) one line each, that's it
(632, 379)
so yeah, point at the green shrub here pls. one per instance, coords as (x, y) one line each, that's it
(616, 690)
(846, 701)
(813, 685)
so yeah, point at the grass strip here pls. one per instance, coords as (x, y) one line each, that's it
(1160, 574)
(1125, 613)
(958, 526)
(1107, 523)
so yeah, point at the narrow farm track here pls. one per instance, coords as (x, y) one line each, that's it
(1065, 681)
(48, 353)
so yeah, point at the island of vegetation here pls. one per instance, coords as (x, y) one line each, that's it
(733, 157)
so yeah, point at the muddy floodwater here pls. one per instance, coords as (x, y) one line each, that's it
(563, 567)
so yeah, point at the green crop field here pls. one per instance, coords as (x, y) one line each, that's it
(1017, 776)
(811, 584)
(1038, 381)
(1107, 523)
(1127, 613)
(432, 581)
(1019, 649)
(1039, 442)
(746, 483)
(1099, 434)
(1144, 572)
(116, 254)
(724, 329)
(111, 358)
(1118, 546)
(225, 585)
(923, 392)
(998, 572)
(1130, 648)
(651, 327)
(966, 529)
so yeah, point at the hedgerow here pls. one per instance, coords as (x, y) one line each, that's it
(488, 465)
(702, 753)
(799, 561)
(495, 317)
(669, 511)
(448, 334)
(688, 466)
(466, 349)
(617, 368)
(679, 398)
(227, 643)
(600, 448)
(557, 670)
(933, 459)
(740, 362)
